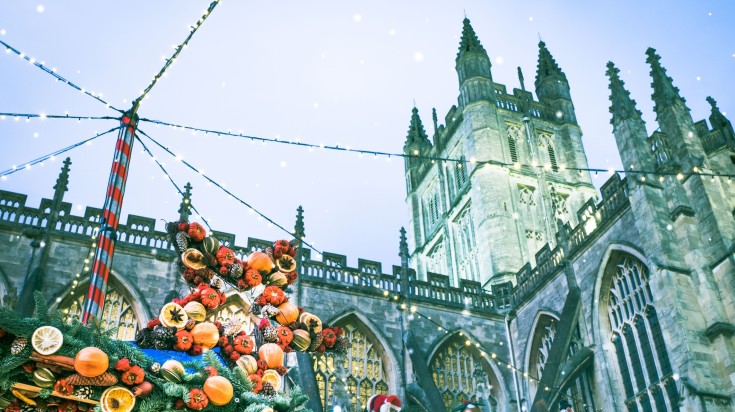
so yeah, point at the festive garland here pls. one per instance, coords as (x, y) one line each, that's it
(48, 364)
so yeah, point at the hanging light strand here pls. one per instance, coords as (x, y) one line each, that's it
(170, 61)
(44, 116)
(170, 179)
(52, 72)
(221, 187)
(461, 162)
(27, 165)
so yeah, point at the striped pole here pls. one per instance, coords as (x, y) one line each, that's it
(95, 299)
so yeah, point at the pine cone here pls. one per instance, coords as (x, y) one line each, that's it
(316, 342)
(270, 334)
(84, 392)
(255, 309)
(18, 345)
(236, 271)
(210, 260)
(182, 241)
(267, 390)
(106, 379)
(144, 338)
(269, 311)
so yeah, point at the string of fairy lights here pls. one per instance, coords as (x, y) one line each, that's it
(460, 162)
(161, 73)
(170, 179)
(51, 156)
(221, 187)
(642, 175)
(52, 71)
(43, 116)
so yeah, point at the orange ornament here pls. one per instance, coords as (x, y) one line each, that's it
(205, 334)
(260, 262)
(272, 354)
(91, 362)
(219, 390)
(287, 313)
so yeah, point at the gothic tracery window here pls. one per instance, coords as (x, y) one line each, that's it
(526, 195)
(459, 373)
(636, 336)
(117, 313)
(465, 242)
(437, 259)
(360, 373)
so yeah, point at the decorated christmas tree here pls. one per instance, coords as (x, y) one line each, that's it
(181, 360)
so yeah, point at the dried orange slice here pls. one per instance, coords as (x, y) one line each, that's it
(117, 399)
(46, 340)
(173, 316)
(272, 377)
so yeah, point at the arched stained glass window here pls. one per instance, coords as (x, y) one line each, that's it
(356, 375)
(117, 313)
(461, 374)
(643, 362)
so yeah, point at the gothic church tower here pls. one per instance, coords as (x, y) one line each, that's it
(482, 219)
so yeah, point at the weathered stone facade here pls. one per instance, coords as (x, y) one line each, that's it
(629, 304)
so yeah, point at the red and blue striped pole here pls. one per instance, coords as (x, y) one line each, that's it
(95, 299)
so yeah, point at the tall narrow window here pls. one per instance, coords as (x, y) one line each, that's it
(360, 373)
(464, 245)
(552, 159)
(643, 362)
(513, 149)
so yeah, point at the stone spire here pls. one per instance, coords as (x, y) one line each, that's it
(622, 106)
(717, 119)
(416, 133)
(552, 87)
(62, 183)
(547, 66)
(665, 94)
(299, 230)
(469, 42)
(185, 206)
(473, 69)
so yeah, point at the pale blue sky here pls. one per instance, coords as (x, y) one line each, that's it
(332, 72)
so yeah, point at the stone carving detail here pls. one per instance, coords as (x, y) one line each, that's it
(526, 195)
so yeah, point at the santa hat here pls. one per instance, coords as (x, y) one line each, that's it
(392, 404)
(375, 402)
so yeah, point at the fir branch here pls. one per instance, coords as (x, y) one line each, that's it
(156, 402)
(176, 391)
(41, 308)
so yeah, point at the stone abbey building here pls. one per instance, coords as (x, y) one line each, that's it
(526, 289)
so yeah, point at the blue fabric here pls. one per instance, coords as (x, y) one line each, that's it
(162, 356)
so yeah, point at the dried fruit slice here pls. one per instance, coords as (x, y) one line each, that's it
(173, 316)
(272, 377)
(46, 340)
(117, 399)
(286, 264)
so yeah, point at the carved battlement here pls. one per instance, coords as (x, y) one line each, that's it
(139, 233)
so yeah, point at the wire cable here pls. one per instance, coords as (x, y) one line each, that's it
(178, 189)
(27, 165)
(44, 116)
(210, 180)
(52, 72)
